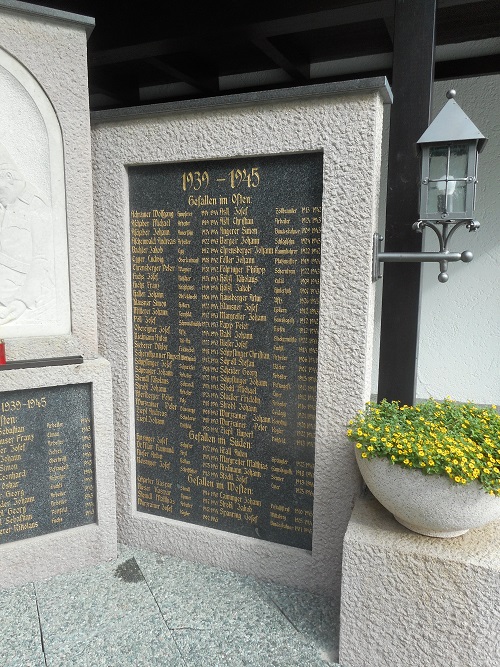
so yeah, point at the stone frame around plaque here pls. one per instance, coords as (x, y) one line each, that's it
(309, 119)
(55, 75)
(84, 545)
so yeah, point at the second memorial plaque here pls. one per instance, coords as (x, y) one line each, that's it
(225, 274)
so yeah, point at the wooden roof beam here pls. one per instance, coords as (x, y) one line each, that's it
(358, 13)
(204, 86)
(367, 11)
(123, 90)
(296, 71)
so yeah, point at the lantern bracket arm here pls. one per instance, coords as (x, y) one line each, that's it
(443, 256)
(421, 224)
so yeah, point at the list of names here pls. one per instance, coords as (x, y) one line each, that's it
(46, 461)
(225, 269)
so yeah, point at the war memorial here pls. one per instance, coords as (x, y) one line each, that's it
(187, 305)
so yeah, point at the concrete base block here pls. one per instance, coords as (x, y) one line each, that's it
(414, 600)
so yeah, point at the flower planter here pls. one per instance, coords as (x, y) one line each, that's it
(428, 504)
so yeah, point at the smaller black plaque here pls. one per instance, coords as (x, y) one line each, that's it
(46, 461)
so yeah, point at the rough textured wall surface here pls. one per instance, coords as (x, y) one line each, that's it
(347, 128)
(414, 600)
(55, 54)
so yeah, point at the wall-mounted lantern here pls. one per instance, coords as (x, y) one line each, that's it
(449, 155)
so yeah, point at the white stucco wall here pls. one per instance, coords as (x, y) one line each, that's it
(459, 353)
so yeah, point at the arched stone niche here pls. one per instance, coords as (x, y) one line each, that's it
(34, 277)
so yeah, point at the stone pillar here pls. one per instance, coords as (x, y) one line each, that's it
(218, 309)
(57, 508)
(408, 599)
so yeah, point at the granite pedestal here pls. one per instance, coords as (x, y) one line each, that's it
(414, 600)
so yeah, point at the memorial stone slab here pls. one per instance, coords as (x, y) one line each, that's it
(47, 454)
(235, 301)
(57, 500)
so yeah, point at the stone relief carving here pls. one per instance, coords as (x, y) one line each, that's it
(26, 246)
(34, 277)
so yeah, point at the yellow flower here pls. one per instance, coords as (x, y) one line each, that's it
(425, 437)
(364, 455)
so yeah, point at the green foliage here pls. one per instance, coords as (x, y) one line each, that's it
(457, 440)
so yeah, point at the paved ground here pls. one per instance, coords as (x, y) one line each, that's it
(147, 610)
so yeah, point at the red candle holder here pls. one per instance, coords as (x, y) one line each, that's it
(2, 353)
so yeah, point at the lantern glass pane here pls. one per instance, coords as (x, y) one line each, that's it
(456, 196)
(436, 202)
(459, 155)
(438, 158)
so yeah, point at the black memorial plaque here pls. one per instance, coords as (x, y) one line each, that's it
(46, 461)
(225, 261)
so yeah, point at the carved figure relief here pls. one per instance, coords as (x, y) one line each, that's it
(26, 266)
(34, 280)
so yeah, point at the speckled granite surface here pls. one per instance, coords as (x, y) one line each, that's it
(149, 610)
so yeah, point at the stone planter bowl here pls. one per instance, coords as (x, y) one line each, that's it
(428, 504)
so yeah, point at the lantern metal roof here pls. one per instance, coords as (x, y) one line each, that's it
(452, 124)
